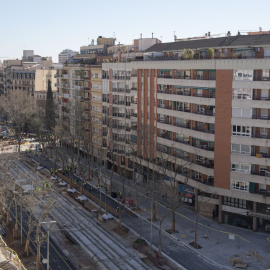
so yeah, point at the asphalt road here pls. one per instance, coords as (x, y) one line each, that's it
(172, 248)
(57, 257)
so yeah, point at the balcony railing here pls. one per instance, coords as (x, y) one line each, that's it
(260, 98)
(204, 96)
(209, 78)
(260, 136)
(212, 131)
(205, 112)
(165, 76)
(260, 155)
(261, 79)
(205, 164)
(262, 117)
(203, 146)
(187, 126)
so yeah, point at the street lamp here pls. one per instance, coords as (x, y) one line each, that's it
(99, 190)
(48, 240)
(152, 202)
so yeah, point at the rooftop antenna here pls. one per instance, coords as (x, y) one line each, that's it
(175, 37)
(152, 35)
(260, 28)
(88, 41)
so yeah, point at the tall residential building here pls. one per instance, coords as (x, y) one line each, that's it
(28, 76)
(202, 115)
(96, 113)
(65, 55)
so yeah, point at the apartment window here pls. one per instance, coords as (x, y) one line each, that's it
(264, 113)
(241, 112)
(241, 149)
(240, 185)
(241, 131)
(263, 131)
(264, 94)
(265, 74)
(198, 175)
(243, 168)
(242, 93)
(243, 75)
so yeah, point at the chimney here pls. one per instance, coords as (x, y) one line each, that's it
(152, 35)
(229, 34)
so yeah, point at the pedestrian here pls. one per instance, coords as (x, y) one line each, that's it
(51, 171)
(26, 151)
(106, 188)
(56, 172)
(214, 214)
(98, 186)
(116, 209)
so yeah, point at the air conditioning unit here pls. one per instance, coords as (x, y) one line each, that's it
(257, 49)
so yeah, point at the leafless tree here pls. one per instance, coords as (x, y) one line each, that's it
(21, 112)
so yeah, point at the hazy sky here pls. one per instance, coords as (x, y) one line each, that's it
(50, 26)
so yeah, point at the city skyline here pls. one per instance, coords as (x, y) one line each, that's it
(52, 27)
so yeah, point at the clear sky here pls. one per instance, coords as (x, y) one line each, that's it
(50, 26)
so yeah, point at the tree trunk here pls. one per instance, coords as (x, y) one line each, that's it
(173, 221)
(196, 234)
(137, 200)
(26, 250)
(19, 144)
(154, 218)
(7, 217)
(38, 256)
(159, 238)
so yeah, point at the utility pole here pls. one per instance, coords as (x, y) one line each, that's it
(48, 241)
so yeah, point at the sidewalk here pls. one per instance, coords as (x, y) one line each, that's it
(250, 247)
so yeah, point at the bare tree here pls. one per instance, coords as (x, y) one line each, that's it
(21, 110)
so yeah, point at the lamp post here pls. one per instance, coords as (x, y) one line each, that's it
(99, 190)
(48, 240)
(152, 202)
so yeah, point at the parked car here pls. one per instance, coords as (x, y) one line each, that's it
(240, 222)
(267, 227)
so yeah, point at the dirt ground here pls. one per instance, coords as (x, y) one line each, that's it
(80, 258)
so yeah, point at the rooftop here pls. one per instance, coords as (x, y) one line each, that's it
(222, 42)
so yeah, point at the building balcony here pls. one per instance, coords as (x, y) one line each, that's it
(187, 83)
(200, 100)
(186, 114)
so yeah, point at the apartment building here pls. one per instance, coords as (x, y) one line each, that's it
(96, 113)
(79, 106)
(207, 118)
(65, 55)
(73, 90)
